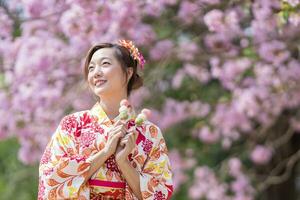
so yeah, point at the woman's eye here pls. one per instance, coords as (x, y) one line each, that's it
(91, 67)
(106, 63)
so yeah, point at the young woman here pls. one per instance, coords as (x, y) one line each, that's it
(94, 154)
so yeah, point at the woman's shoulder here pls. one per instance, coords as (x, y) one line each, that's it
(75, 116)
(71, 121)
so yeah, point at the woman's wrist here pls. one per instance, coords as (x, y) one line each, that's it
(107, 153)
(121, 159)
(104, 153)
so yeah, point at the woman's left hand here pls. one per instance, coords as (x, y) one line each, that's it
(127, 144)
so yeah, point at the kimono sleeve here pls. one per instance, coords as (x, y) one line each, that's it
(62, 171)
(156, 176)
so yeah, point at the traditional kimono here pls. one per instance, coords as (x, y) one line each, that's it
(64, 164)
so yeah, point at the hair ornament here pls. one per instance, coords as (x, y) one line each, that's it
(134, 52)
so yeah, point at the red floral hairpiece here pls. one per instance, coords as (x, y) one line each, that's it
(134, 52)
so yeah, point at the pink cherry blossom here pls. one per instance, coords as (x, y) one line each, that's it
(261, 155)
(161, 50)
(294, 19)
(187, 50)
(234, 165)
(209, 2)
(208, 136)
(198, 72)
(189, 11)
(274, 51)
(214, 20)
(5, 25)
(138, 96)
(178, 166)
(175, 112)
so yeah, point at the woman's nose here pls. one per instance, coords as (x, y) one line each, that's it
(98, 71)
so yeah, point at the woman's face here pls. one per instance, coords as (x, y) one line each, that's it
(105, 75)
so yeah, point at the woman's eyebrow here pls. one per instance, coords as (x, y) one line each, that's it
(99, 60)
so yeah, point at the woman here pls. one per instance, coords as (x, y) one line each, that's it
(91, 155)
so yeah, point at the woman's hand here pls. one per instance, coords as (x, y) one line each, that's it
(114, 136)
(131, 175)
(126, 146)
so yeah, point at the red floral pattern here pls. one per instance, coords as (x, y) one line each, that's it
(109, 195)
(47, 172)
(111, 164)
(46, 156)
(159, 196)
(147, 145)
(97, 128)
(87, 138)
(85, 119)
(41, 190)
(68, 123)
(78, 158)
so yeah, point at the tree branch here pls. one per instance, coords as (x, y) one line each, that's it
(7, 11)
(283, 139)
(273, 180)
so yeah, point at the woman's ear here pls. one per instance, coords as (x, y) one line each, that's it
(129, 73)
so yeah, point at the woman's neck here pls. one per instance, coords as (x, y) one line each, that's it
(111, 105)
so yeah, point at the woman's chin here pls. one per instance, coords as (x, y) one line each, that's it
(98, 91)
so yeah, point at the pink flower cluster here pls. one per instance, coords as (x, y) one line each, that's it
(199, 73)
(175, 112)
(261, 155)
(206, 184)
(43, 62)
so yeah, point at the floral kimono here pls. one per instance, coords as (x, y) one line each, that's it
(64, 165)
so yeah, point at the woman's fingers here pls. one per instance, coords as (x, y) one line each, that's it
(117, 130)
(135, 135)
(131, 138)
(123, 141)
(119, 122)
(119, 134)
(120, 127)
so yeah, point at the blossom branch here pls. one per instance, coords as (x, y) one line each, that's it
(283, 139)
(8, 12)
(273, 180)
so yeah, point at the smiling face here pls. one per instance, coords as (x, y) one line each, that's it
(105, 73)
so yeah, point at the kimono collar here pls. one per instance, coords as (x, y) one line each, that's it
(102, 117)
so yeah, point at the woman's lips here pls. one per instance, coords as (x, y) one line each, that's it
(99, 82)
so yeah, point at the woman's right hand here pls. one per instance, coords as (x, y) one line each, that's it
(114, 136)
